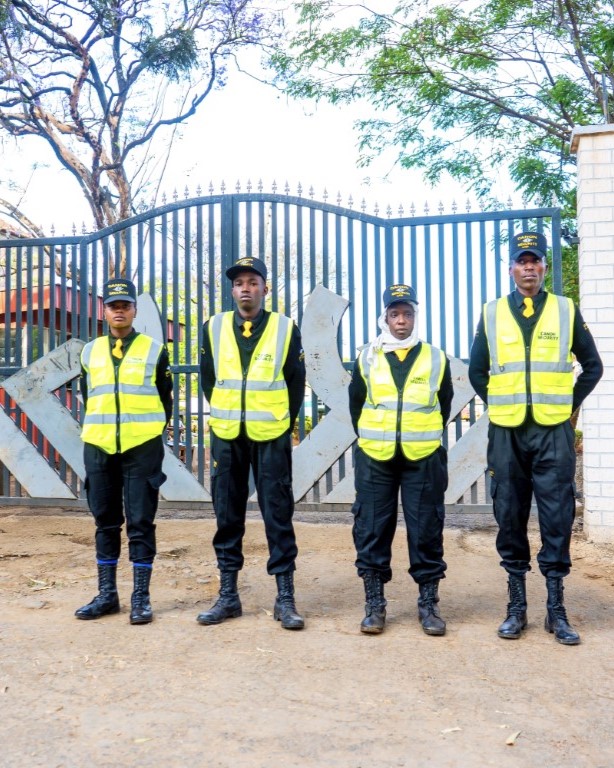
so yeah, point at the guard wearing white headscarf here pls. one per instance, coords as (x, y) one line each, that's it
(400, 399)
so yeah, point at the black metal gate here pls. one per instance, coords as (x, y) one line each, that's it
(50, 288)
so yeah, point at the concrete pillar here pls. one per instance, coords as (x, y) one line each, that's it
(594, 147)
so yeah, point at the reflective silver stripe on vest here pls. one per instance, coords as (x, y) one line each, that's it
(234, 415)
(406, 437)
(124, 389)
(124, 418)
(515, 399)
(216, 333)
(544, 399)
(565, 329)
(491, 333)
(565, 367)
(255, 386)
(392, 405)
(86, 354)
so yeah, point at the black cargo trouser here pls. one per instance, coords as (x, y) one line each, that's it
(422, 484)
(271, 463)
(125, 483)
(526, 460)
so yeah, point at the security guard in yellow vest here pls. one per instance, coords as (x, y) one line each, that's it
(127, 395)
(400, 399)
(521, 366)
(253, 375)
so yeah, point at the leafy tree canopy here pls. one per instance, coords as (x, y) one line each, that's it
(101, 81)
(463, 87)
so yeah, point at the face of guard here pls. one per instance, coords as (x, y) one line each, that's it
(528, 272)
(400, 318)
(120, 315)
(248, 291)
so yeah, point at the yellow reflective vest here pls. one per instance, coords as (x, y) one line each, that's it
(540, 377)
(411, 417)
(124, 408)
(258, 396)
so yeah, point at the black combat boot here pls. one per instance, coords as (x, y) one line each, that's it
(375, 606)
(556, 617)
(107, 599)
(428, 610)
(141, 612)
(516, 619)
(228, 605)
(285, 608)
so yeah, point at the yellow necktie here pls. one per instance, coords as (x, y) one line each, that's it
(401, 353)
(117, 350)
(528, 310)
(247, 326)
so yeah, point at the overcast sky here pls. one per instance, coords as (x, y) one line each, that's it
(248, 131)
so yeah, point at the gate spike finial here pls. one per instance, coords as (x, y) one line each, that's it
(412, 210)
(299, 189)
(311, 192)
(468, 205)
(249, 185)
(440, 208)
(274, 186)
(339, 197)
(454, 206)
(175, 195)
(286, 188)
(401, 210)
(186, 192)
(238, 186)
(164, 198)
(211, 188)
(260, 185)
(388, 211)
(510, 203)
(350, 202)
(376, 209)
(363, 205)
(199, 191)
(426, 209)
(325, 195)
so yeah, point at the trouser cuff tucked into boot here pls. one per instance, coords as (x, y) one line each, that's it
(141, 612)
(428, 610)
(228, 604)
(516, 619)
(285, 608)
(556, 617)
(375, 605)
(106, 601)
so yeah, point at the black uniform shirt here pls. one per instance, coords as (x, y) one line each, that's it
(293, 370)
(164, 379)
(582, 346)
(400, 370)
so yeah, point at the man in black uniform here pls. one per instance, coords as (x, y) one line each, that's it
(127, 394)
(400, 399)
(253, 375)
(521, 366)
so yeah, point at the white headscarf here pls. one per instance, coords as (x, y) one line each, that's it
(387, 342)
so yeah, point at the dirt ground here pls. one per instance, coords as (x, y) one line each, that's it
(247, 693)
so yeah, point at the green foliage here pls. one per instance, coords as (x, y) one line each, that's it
(171, 54)
(465, 88)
